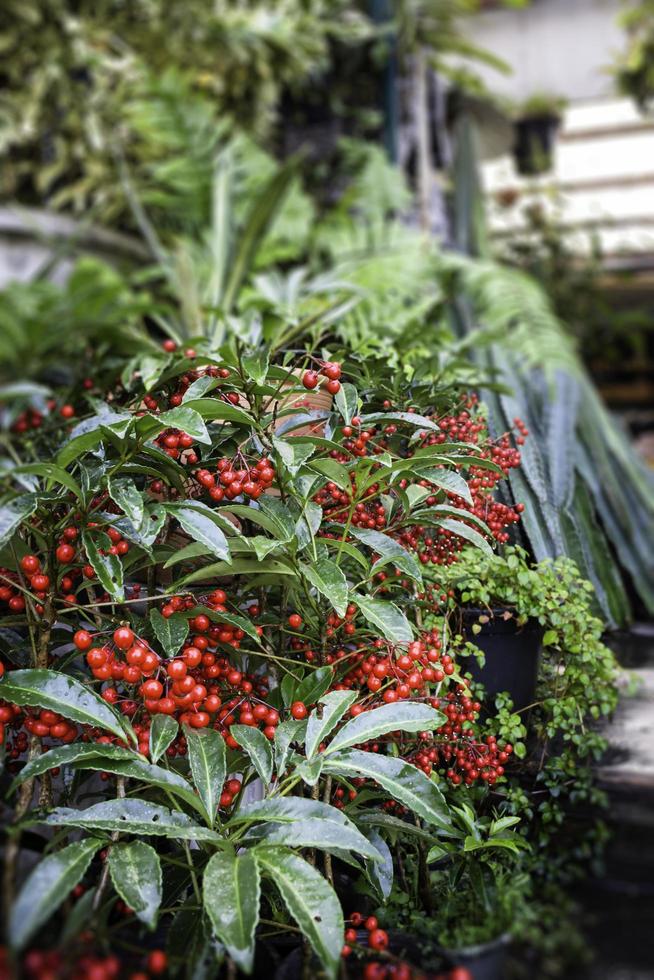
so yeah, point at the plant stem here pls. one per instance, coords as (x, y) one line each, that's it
(104, 877)
(12, 847)
(191, 868)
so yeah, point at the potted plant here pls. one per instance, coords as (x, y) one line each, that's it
(537, 122)
(459, 897)
(634, 69)
(239, 695)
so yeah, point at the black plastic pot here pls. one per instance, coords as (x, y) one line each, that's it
(485, 962)
(512, 654)
(534, 144)
(400, 945)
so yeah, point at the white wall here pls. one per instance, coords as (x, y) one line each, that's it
(561, 46)
(603, 173)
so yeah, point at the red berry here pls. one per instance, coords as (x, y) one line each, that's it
(333, 386)
(65, 553)
(123, 637)
(30, 564)
(332, 371)
(294, 621)
(82, 639)
(378, 939)
(157, 961)
(310, 380)
(299, 710)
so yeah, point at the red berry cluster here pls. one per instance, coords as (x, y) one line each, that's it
(377, 938)
(32, 419)
(40, 584)
(48, 724)
(231, 479)
(465, 757)
(175, 397)
(397, 675)
(330, 371)
(29, 419)
(177, 445)
(41, 964)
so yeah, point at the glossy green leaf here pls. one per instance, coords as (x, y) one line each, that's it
(329, 580)
(215, 409)
(231, 894)
(63, 694)
(131, 816)
(386, 617)
(13, 514)
(255, 365)
(389, 551)
(314, 685)
(288, 809)
(280, 517)
(334, 471)
(68, 754)
(405, 783)
(311, 901)
(448, 480)
(201, 526)
(347, 401)
(319, 832)
(107, 567)
(89, 434)
(289, 731)
(138, 768)
(186, 420)
(467, 532)
(236, 567)
(135, 871)
(419, 421)
(171, 631)
(123, 492)
(163, 732)
(404, 716)
(206, 754)
(380, 873)
(279, 524)
(199, 387)
(49, 884)
(51, 472)
(293, 455)
(325, 718)
(257, 747)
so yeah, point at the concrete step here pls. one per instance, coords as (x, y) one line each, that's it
(628, 767)
(619, 906)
